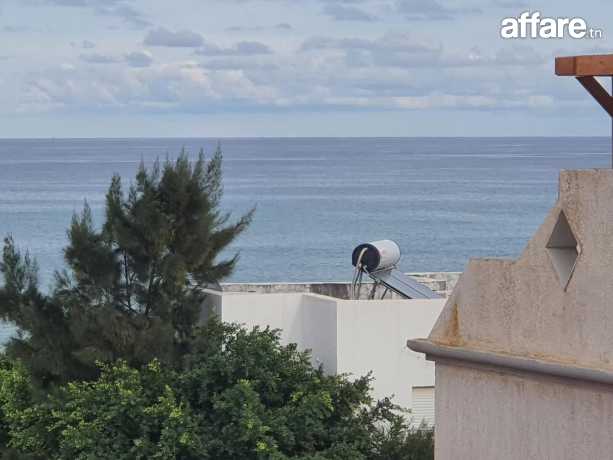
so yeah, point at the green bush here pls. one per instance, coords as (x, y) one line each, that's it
(239, 395)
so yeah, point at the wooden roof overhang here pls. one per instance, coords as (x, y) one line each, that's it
(586, 69)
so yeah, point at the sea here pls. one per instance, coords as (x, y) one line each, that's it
(443, 200)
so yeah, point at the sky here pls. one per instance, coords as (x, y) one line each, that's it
(251, 68)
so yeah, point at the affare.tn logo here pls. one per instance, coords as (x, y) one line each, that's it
(533, 25)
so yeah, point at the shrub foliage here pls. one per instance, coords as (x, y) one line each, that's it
(239, 395)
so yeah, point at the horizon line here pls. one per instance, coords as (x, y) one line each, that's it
(295, 137)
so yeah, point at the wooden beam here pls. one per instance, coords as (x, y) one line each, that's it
(598, 92)
(584, 66)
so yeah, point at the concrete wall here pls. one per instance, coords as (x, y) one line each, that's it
(372, 337)
(353, 337)
(440, 282)
(524, 348)
(509, 416)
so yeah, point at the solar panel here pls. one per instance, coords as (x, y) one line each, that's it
(402, 284)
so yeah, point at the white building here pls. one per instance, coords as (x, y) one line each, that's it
(349, 337)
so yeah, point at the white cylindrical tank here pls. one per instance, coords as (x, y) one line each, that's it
(376, 255)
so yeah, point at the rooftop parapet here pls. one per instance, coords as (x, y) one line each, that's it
(551, 307)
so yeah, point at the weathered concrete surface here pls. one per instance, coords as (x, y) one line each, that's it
(490, 415)
(520, 306)
(525, 310)
(440, 282)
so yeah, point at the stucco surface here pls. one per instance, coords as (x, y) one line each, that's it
(371, 337)
(521, 307)
(483, 414)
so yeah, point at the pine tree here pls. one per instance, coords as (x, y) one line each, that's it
(132, 289)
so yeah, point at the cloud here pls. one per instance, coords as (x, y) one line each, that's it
(243, 48)
(112, 8)
(133, 59)
(518, 55)
(181, 38)
(265, 68)
(326, 79)
(404, 51)
(96, 58)
(390, 50)
(431, 10)
(340, 12)
(511, 4)
(14, 29)
(83, 3)
(239, 63)
(127, 13)
(139, 59)
(182, 86)
(85, 44)
(281, 26)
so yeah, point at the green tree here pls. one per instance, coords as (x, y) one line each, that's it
(239, 395)
(132, 289)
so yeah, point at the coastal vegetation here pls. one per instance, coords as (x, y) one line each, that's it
(115, 363)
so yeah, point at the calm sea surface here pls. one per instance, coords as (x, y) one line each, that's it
(442, 199)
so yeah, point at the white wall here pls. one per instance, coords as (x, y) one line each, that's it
(346, 336)
(307, 320)
(372, 336)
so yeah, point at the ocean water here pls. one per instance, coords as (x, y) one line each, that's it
(442, 199)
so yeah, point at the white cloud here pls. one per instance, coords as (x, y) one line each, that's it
(113, 8)
(133, 59)
(97, 58)
(127, 13)
(516, 4)
(183, 86)
(139, 59)
(282, 26)
(266, 61)
(364, 71)
(181, 38)
(390, 50)
(14, 29)
(432, 10)
(243, 48)
(393, 71)
(341, 12)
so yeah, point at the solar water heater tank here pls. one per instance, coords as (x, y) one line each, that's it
(378, 260)
(376, 255)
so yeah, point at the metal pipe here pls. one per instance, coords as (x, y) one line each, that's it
(518, 363)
